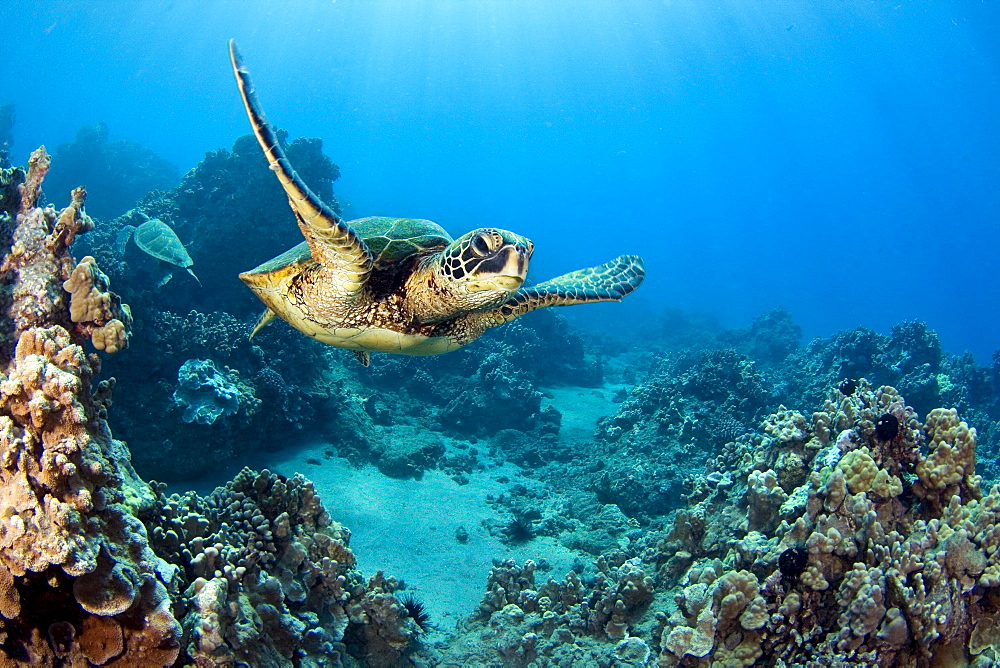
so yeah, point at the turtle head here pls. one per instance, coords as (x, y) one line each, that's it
(486, 261)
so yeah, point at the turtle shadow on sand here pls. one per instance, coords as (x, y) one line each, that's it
(158, 240)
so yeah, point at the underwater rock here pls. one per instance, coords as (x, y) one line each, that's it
(230, 192)
(227, 192)
(206, 394)
(408, 452)
(117, 173)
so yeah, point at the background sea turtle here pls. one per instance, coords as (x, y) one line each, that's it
(159, 240)
(400, 285)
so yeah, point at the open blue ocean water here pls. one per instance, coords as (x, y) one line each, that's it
(838, 159)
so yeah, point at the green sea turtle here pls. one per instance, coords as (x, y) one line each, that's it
(158, 240)
(400, 285)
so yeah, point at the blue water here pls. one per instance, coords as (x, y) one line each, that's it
(838, 158)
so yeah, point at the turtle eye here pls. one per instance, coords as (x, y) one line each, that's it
(481, 246)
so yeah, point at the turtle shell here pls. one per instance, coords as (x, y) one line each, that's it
(392, 240)
(159, 240)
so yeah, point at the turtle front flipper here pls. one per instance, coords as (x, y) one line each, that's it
(608, 282)
(331, 241)
(611, 281)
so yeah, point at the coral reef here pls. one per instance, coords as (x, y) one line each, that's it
(227, 194)
(256, 572)
(224, 213)
(70, 538)
(689, 406)
(565, 622)
(265, 577)
(725, 529)
(769, 340)
(281, 384)
(822, 540)
(898, 543)
(205, 393)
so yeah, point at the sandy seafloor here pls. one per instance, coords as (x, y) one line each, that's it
(406, 527)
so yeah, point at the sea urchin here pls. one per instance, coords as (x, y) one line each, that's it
(416, 611)
(519, 529)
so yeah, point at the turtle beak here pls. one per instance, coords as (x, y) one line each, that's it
(508, 283)
(506, 271)
(515, 269)
(498, 282)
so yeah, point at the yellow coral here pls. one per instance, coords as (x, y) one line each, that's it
(110, 338)
(88, 303)
(952, 458)
(859, 469)
(887, 485)
(94, 305)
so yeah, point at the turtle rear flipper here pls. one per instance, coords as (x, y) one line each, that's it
(330, 239)
(122, 239)
(267, 316)
(611, 281)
